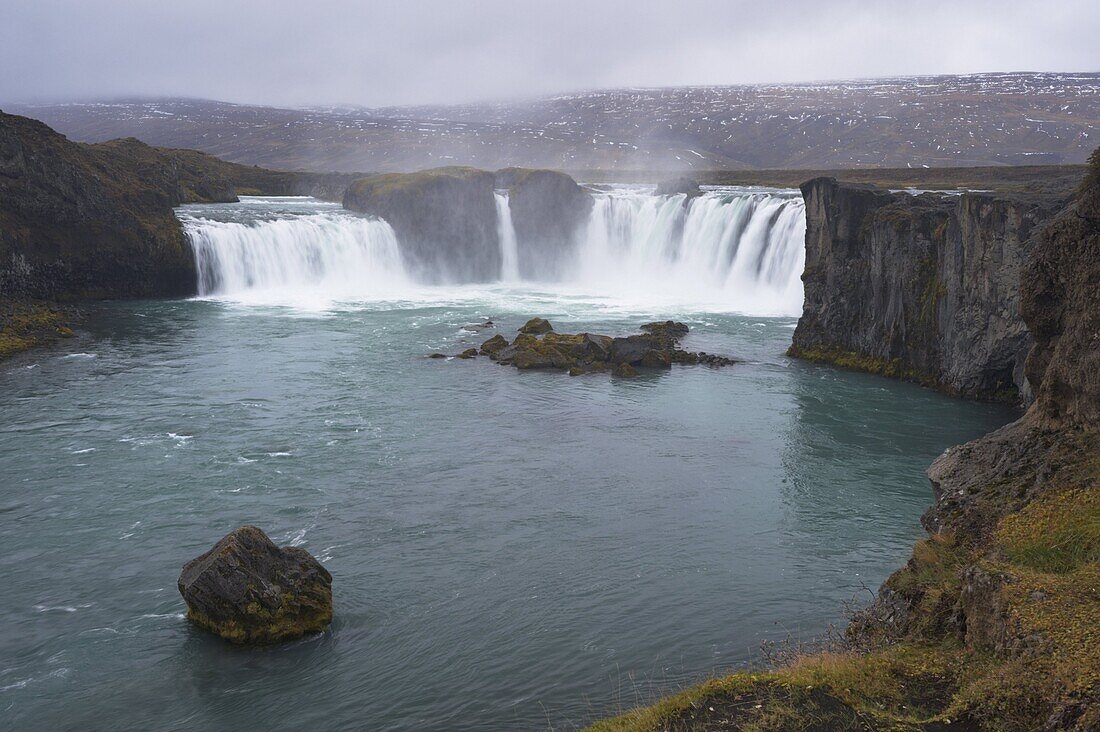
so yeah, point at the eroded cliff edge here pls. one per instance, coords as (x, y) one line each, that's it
(922, 287)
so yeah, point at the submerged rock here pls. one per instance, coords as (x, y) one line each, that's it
(625, 370)
(536, 326)
(247, 590)
(478, 327)
(468, 353)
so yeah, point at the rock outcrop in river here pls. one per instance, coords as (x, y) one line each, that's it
(538, 346)
(922, 287)
(450, 229)
(247, 590)
(445, 218)
(548, 212)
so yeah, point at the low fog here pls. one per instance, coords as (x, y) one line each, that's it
(390, 53)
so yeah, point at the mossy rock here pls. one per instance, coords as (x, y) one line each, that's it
(494, 345)
(625, 370)
(536, 326)
(247, 590)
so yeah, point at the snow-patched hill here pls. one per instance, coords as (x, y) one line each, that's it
(983, 119)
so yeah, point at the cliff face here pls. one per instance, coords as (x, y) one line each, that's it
(991, 624)
(1049, 446)
(919, 287)
(1013, 562)
(81, 222)
(549, 211)
(1061, 304)
(446, 219)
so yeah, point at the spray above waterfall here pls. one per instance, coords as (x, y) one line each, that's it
(728, 250)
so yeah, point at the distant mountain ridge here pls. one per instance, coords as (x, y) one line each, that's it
(935, 121)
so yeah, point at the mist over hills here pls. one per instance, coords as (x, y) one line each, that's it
(934, 121)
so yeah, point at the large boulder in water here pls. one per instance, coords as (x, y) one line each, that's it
(549, 212)
(444, 218)
(247, 590)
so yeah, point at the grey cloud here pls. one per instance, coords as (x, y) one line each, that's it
(379, 53)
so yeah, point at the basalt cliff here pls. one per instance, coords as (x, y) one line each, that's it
(993, 622)
(922, 287)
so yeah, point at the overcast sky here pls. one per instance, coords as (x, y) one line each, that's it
(368, 52)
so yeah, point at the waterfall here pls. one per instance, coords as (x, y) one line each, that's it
(506, 231)
(327, 256)
(744, 249)
(727, 250)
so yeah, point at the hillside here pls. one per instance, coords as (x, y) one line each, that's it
(941, 121)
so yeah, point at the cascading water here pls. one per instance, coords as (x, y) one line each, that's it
(293, 251)
(726, 250)
(509, 248)
(741, 251)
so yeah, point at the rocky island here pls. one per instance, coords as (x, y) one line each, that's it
(538, 346)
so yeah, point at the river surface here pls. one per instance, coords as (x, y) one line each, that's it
(510, 550)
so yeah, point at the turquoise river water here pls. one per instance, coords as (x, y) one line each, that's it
(510, 550)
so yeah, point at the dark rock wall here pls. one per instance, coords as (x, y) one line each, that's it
(1061, 304)
(1053, 446)
(549, 212)
(79, 222)
(922, 287)
(445, 219)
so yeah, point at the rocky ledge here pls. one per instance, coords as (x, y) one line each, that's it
(247, 590)
(538, 346)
